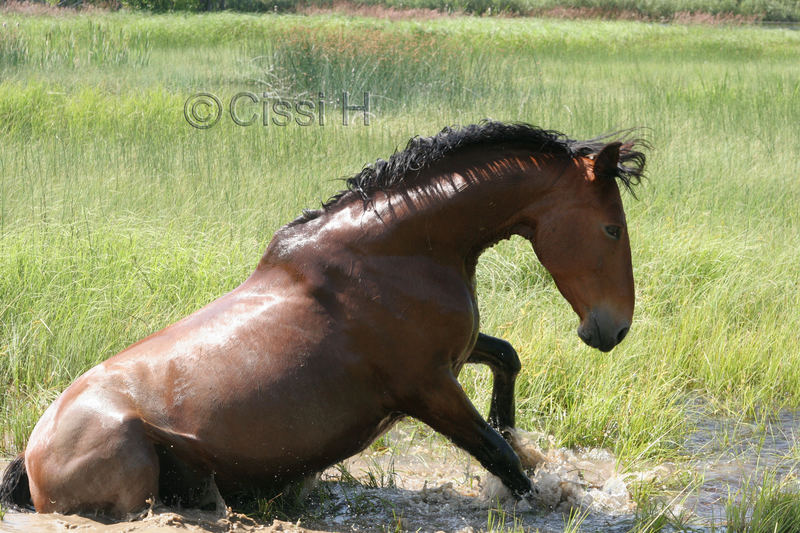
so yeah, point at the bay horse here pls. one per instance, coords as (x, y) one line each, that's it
(358, 314)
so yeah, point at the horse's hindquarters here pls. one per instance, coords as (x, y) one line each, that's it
(90, 460)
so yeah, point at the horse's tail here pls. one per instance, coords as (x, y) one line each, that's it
(14, 489)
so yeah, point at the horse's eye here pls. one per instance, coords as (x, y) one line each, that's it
(615, 232)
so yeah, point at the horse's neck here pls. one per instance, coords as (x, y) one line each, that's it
(450, 215)
(455, 214)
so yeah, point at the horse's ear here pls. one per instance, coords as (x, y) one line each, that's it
(605, 163)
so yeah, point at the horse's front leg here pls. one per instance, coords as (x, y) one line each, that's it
(442, 404)
(501, 357)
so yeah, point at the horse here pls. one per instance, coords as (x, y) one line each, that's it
(358, 314)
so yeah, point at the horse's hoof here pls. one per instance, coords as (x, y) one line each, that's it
(527, 500)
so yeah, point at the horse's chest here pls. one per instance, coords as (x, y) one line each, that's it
(413, 302)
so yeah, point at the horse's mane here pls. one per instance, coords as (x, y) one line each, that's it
(422, 152)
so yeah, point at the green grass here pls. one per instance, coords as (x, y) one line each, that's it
(775, 10)
(502, 520)
(736, 10)
(117, 217)
(768, 505)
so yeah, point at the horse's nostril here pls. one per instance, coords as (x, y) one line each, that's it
(622, 333)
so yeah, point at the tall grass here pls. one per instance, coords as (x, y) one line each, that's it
(776, 10)
(117, 217)
(768, 505)
(753, 10)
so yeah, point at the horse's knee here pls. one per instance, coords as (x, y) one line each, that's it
(498, 354)
(510, 357)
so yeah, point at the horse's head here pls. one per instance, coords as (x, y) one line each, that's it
(581, 237)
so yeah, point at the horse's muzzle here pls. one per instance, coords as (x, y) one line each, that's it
(601, 330)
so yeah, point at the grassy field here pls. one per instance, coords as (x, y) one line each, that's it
(736, 11)
(117, 217)
(661, 10)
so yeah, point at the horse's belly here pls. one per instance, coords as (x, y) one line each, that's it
(288, 454)
(265, 421)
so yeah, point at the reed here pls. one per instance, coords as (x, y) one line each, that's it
(117, 217)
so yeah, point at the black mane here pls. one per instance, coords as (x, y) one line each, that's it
(422, 152)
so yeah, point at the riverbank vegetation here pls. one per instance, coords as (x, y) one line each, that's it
(117, 217)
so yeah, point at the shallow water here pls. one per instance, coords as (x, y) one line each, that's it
(728, 452)
(416, 484)
(428, 485)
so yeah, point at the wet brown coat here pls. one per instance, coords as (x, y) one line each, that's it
(350, 321)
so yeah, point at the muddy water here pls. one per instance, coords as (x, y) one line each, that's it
(160, 520)
(413, 484)
(425, 484)
(729, 452)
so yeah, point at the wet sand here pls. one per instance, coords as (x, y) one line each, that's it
(422, 483)
(425, 486)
